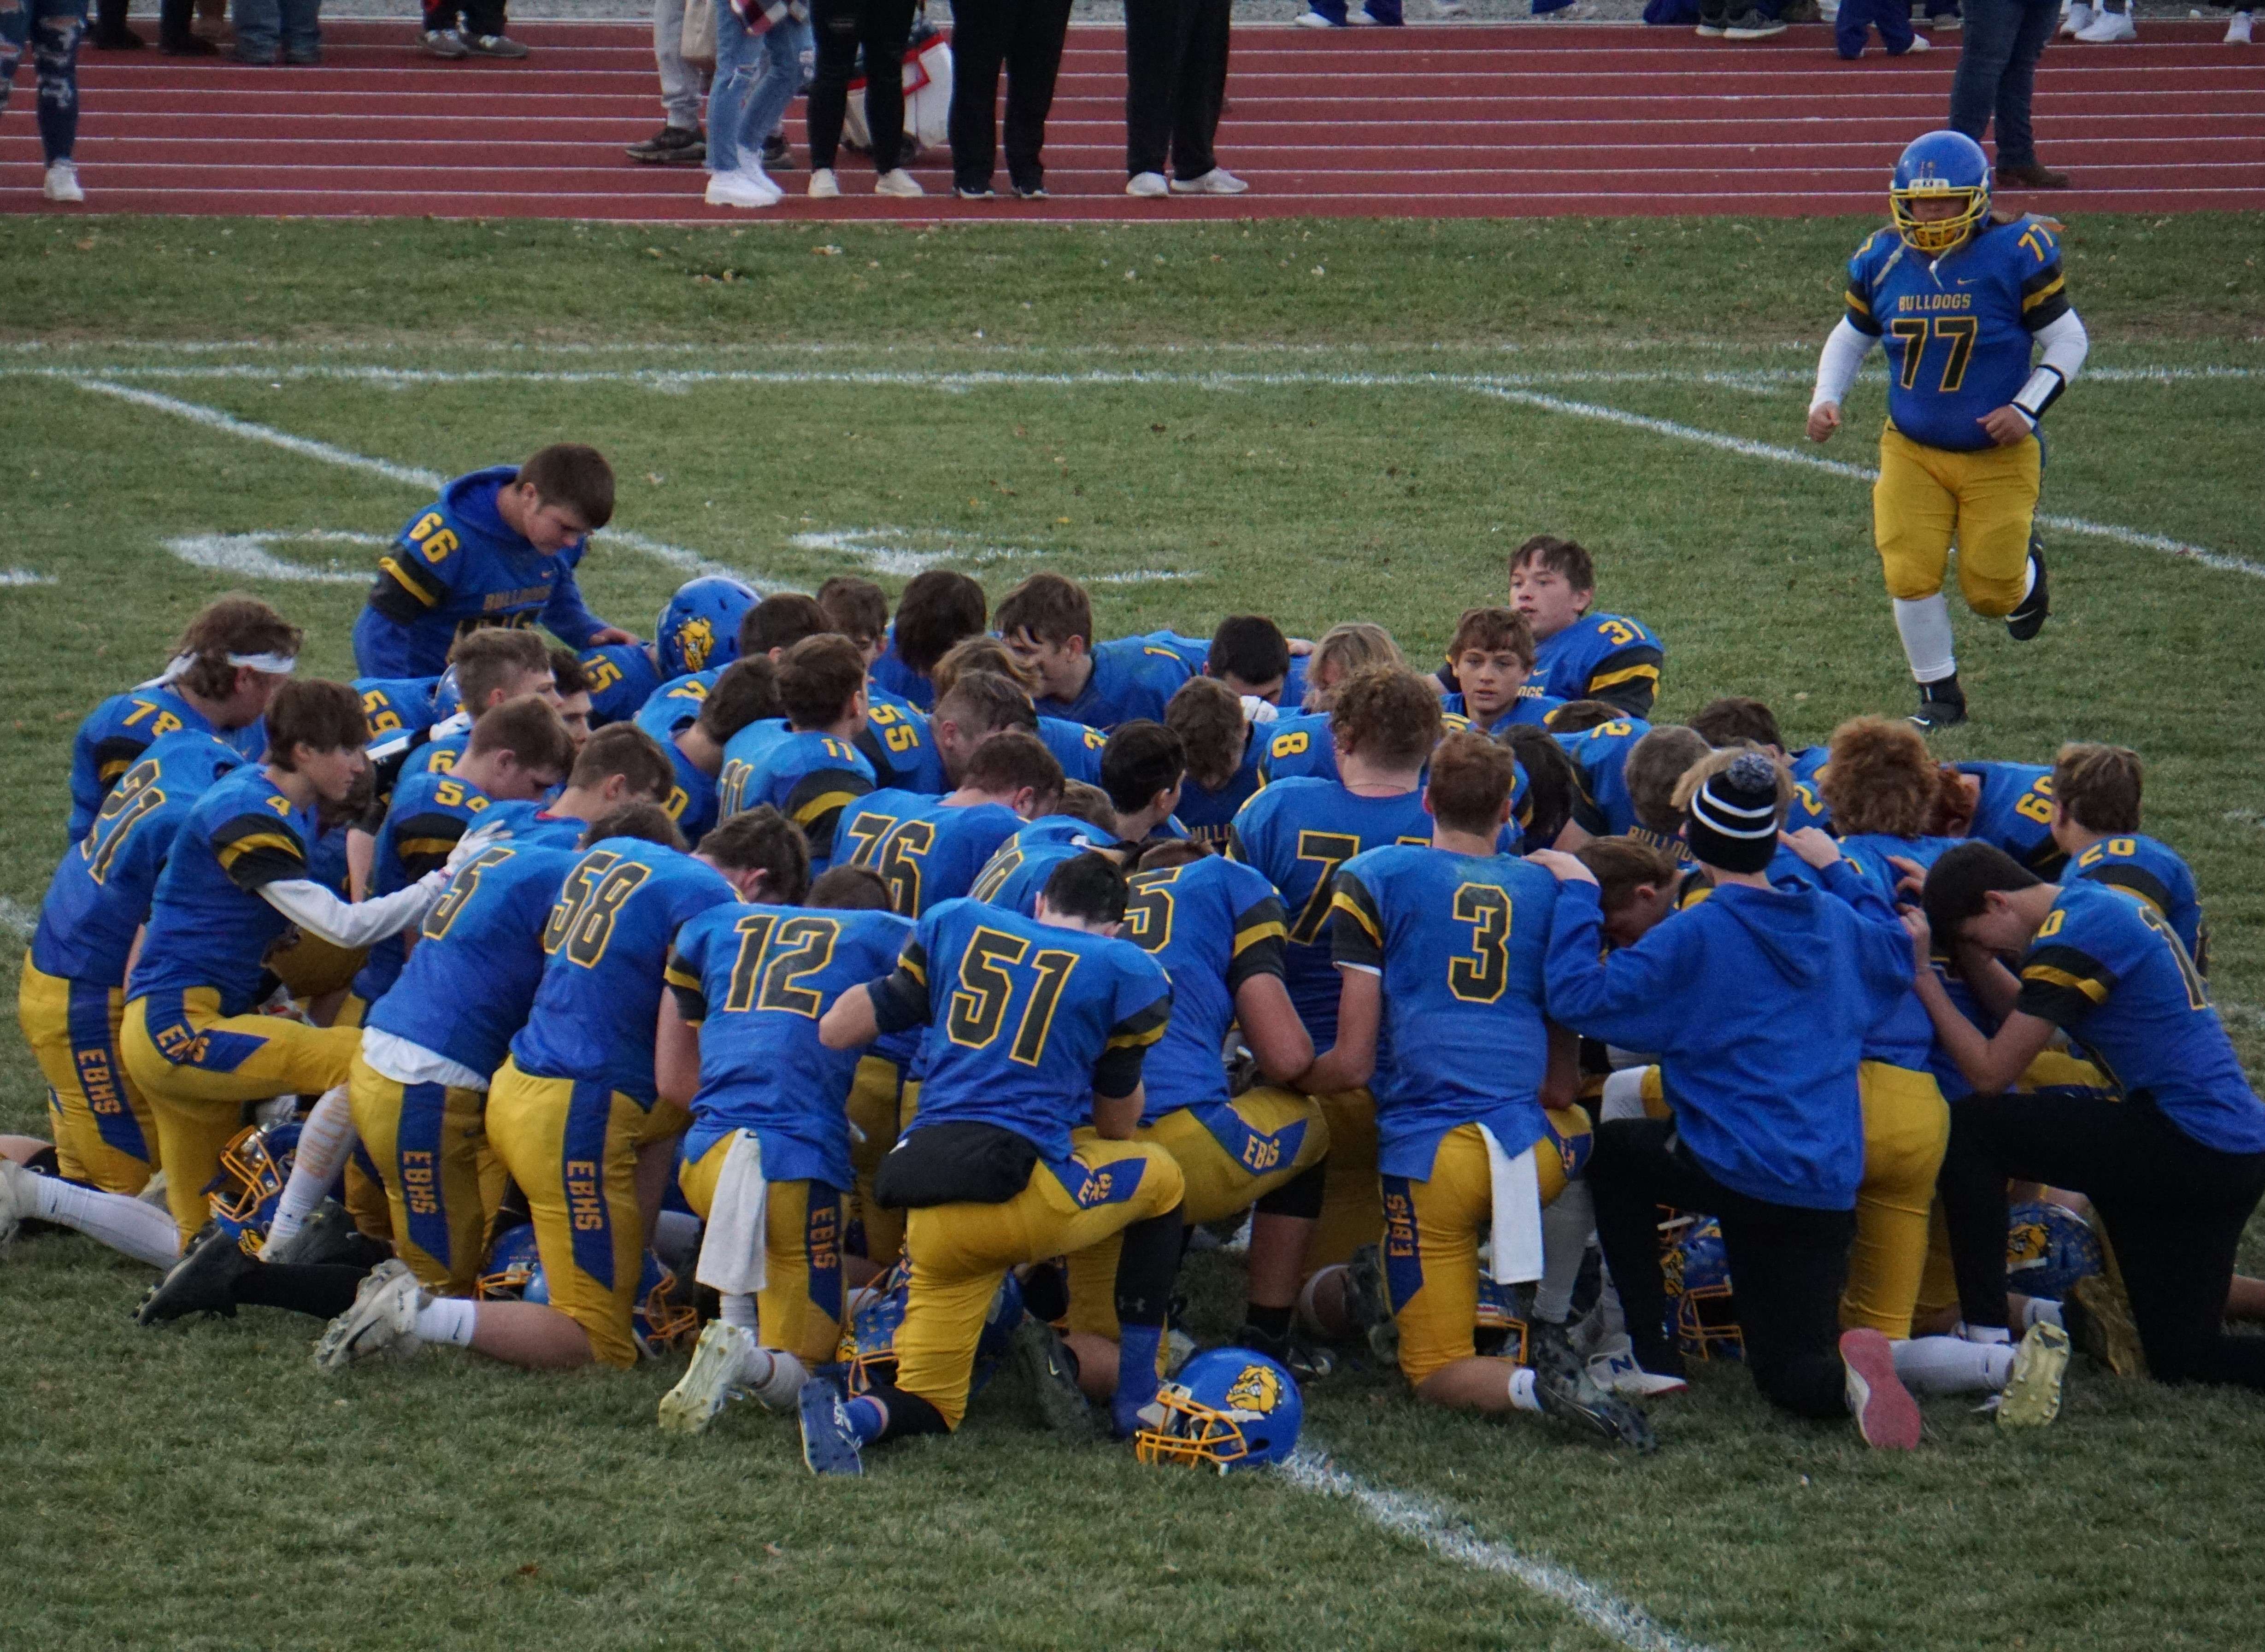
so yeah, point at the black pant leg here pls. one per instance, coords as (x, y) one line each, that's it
(484, 17)
(834, 24)
(1152, 41)
(980, 32)
(1033, 66)
(1788, 1266)
(174, 17)
(888, 26)
(1631, 1174)
(1199, 89)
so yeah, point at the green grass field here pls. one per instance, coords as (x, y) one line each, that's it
(1324, 422)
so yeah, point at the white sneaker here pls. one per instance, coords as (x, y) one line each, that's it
(1148, 186)
(899, 183)
(2080, 19)
(2237, 32)
(824, 185)
(1315, 20)
(383, 1319)
(1919, 43)
(1616, 1372)
(709, 1383)
(1217, 181)
(2107, 27)
(752, 171)
(17, 1201)
(736, 189)
(62, 183)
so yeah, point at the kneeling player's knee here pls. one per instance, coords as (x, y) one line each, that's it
(1992, 599)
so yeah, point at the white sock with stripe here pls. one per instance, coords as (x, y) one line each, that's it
(143, 1232)
(325, 1138)
(1925, 627)
(1951, 1364)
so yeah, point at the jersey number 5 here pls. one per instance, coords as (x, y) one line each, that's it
(978, 1009)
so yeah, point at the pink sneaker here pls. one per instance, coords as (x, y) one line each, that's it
(1886, 1415)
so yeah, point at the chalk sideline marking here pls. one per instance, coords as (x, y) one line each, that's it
(246, 556)
(1422, 1521)
(24, 576)
(906, 551)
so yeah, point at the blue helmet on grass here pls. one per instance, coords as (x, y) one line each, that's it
(1940, 166)
(1229, 1408)
(253, 1168)
(1696, 1270)
(699, 627)
(2049, 1247)
(660, 1323)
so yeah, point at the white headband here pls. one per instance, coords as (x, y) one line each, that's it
(272, 665)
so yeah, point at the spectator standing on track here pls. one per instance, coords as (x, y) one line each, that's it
(1997, 66)
(1175, 87)
(53, 30)
(1892, 17)
(883, 27)
(758, 57)
(468, 28)
(264, 27)
(1026, 36)
(682, 87)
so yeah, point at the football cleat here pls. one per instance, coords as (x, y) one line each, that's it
(1293, 1352)
(2098, 1318)
(1939, 710)
(708, 1383)
(203, 1281)
(1570, 1397)
(2032, 1395)
(383, 1320)
(1886, 1415)
(1368, 1306)
(328, 1236)
(2028, 615)
(1062, 1405)
(829, 1444)
(15, 1197)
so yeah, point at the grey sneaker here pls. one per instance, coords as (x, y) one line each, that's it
(444, 43)
(493, 45)
(1752, 26)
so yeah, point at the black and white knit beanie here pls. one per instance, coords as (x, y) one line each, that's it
(1732, 821)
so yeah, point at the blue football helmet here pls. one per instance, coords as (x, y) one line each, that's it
(1696, 1270)
(253, 1168)
(660, 1323)
(1936, 165)
(1500, 1324)
(448, 695)
(1229, 1408)
(2049, 1247)
(869, 1346)
(699, 627)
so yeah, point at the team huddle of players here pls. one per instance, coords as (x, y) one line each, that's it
(901, 994)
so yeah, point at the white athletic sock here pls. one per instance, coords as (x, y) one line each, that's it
(1925, 627)
(448, 1319)
(143, 1232)
(738, 1310)
(1951, 1364)
(1984, 1332)
(324, 1140)
(773, 1377)
(1522, 1397)
(1566, 1222)
(2038, 1308)
(676, 1241)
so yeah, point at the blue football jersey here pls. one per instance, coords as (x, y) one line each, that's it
(897, 743)
(1026, 1021)
(101, 890)
(1460, 940)
(740, 754)
(1212, 924)
(755, 981)
(531, 825)
(457, 566)
(397, 706)
(2014, 812)
(1206, 815)
(1600, 754)
(606, 940)
(1297, 747)
(1019, 867)
(2150, 870)
(1131, 678)
(1532, 706)
(1606, 657)
(470, 980)
(2112, 972)
(926, 850)
(1076, 748)
(207, 925)
(429, 814)
(1956, 327)
(890, 671)
(116, 732)
(809, 779)
(1809, 807)
(623, 677)
(676, 703)
(1298, 833)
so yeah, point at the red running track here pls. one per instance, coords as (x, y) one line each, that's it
(1470, 120)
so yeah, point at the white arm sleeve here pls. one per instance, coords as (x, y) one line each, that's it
(350, 924)
(2066, 344)
(1845, 350)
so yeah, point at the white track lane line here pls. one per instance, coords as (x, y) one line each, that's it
(1423, 1521)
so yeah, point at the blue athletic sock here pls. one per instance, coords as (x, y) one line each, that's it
(866, 1420)
(1136, 1348)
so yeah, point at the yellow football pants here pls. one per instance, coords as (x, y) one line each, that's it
(572, 1148)
(800, 1308)
(1278, 1135)
(1928, 497)
(425, 1139)
(106, 1135)
(198, 1067)
(1352, 1210)
(1906, 1127)
(877, 1114)
(1431, 1238)
(311, 967)
(960, 1252)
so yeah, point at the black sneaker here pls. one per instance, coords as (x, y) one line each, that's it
(1031, 188)
(1368, 1305)
(203, 1281)
(1293, 1353)
(1752, 26)
(2028, 618)
(1941, 705)
(778, 154)
(1572, 1397)
(1047, 1365)
(119, 39)
(671, 146)
(188, 45)
(974, 192)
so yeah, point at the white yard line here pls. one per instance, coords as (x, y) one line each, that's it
(1423, 1521)
(24, 576)
(16, 919)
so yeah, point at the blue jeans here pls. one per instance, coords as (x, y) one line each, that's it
(1997, 66)
(53, 30)
(756, 77)
(259, 23)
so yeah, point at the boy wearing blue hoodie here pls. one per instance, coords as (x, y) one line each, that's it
(1758, 1000)
(498, 547)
